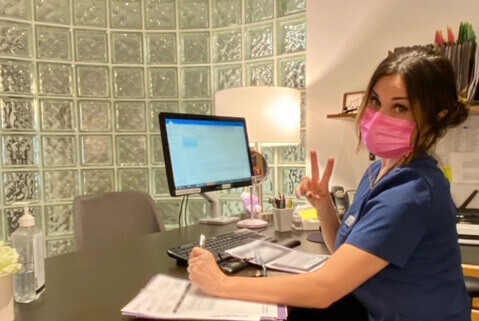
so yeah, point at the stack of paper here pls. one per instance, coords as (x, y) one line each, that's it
(166, 297)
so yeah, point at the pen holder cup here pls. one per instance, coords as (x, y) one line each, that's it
(282, 219)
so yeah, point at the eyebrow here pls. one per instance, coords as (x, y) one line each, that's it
(394, 98)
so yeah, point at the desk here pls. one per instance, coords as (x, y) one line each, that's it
(93, 285)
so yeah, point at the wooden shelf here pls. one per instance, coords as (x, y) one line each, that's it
(342, 115)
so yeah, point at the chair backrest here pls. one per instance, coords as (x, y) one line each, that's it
(114, 216)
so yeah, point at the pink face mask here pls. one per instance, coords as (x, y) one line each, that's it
(386, 137)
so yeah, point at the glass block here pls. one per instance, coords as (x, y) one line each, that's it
(194, 14)
(65, 191)
(59, 220)
(260, 73)
(163, 82)
(195, 82)
(56, 11)
(293, 154)
(169, 210)
(89, 13)
(156, 150)
(127, 47)
(269, 183)
(95, 116)
(292, 73)
(16, 8)
(231, 207)
(202, 107)
(227, 77)
(12, 215)
(259, 41)
(227, 45)
(287, 7)
(16, 77)
(156, 107)
(161, 48)
(93, 81)
(15, 39)
(98, 181)
(57, 115)
(160, 14)
(125, 14)
(226, 13)
(53, 43)
(128, 82)
(195, 47)
(303, 109)
(131, 150)
(58, 151)
(130, 116)
(55, 79)
(96, 150)
(21, 187)
(60, 246)
(91, 46)
(268, 153)
(197, 208)
(133, 179)
(20, 150)
(258, 10)
(17, 114)
(160, 183)
(291, 36)
(289, 178)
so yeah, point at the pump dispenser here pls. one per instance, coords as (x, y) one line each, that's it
(28, 241)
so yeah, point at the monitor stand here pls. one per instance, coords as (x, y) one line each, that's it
(216, 218)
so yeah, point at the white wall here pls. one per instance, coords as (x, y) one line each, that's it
(346, 39)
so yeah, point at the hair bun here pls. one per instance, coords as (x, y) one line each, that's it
(460, 114)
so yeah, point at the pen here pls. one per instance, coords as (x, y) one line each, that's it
(202, 241)
(260, 261)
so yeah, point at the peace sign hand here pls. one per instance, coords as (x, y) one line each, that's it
(316, 189)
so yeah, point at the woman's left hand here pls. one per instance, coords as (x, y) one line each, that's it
(205, 272)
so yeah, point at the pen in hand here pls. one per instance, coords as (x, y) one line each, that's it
(202, 242)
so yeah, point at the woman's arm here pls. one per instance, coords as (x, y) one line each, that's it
(347, 268)
(316, 190)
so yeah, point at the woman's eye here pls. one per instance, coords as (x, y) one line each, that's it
(374, 102)
(400, 108)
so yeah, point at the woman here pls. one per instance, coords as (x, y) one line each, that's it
(396, 249)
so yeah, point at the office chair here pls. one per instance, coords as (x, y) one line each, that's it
(114, 216)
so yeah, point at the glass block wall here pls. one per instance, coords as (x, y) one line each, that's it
(82, 82)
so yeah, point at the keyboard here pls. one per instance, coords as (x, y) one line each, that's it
(217, 244)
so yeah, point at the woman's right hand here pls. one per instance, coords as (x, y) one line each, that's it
(316, 188)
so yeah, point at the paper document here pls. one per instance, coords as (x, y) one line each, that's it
(166, 297)
(278, 257)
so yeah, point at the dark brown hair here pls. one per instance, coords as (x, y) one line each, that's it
(431, 88)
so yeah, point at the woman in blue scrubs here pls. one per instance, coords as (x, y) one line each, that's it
(396, 249)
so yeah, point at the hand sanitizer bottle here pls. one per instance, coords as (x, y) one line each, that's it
(28, 240)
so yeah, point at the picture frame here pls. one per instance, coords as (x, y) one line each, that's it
(352, 101)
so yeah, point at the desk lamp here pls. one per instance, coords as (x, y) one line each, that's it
(272, 118)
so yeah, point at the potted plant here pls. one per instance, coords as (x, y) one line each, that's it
(8, 266)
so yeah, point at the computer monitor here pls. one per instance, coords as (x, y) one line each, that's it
(204, 154)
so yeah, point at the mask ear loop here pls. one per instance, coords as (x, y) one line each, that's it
(372, 158)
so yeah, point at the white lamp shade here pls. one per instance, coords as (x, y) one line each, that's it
(272, 113)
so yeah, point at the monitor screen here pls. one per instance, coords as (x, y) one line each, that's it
(205, 153)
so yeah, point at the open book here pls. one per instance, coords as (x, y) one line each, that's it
(278, 257)
(166, 297)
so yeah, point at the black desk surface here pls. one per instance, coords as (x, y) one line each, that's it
(93, 285)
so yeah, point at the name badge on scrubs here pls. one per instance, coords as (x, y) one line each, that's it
(350, 220)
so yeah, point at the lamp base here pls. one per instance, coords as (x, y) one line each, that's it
(252, 223)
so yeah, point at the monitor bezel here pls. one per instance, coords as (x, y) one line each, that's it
(163, 116)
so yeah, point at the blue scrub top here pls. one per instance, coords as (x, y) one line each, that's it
(408, 218)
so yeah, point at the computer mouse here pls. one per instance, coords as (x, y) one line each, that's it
(289, 242)
(233, 266)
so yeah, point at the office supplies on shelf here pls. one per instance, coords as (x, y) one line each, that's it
(217, 244)
(278, 257)
(166, 297)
